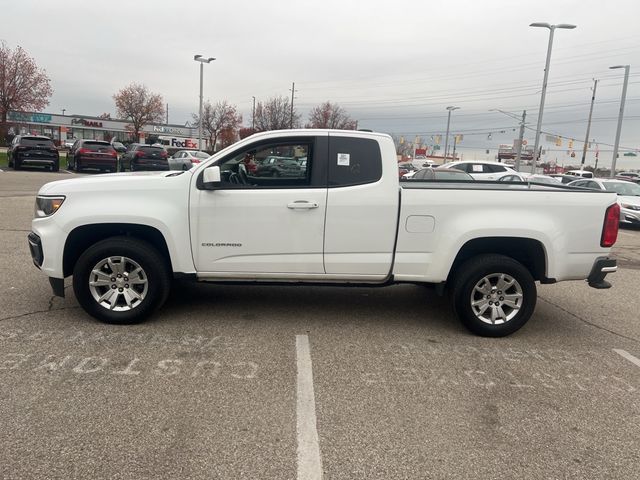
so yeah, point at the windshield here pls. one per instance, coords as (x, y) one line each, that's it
(200, 155)
(623, 188)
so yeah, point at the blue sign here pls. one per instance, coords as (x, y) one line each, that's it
(29, 117)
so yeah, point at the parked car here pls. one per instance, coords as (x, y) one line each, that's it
(94, 154)
(528, 177)
(628, 195)
(273, 166)
(406, 169)
(438, 174)
(562, 178)
(124, 237)
(579, 173)
(185, 159)
(118, 146)
(629, 176)
(482, 170)
(144, 157)
(68, 143)
(33, 151)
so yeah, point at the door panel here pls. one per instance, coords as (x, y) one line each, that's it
(263, 224)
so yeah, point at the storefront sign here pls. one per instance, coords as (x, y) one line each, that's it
(86, 123)
(29, 117)
(161, 129)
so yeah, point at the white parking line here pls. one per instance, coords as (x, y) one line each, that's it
(309, 461)
(628, 356)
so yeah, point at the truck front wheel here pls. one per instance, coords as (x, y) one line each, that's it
(493, 295)
(121, 280)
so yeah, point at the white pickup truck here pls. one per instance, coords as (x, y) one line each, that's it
(321, 207)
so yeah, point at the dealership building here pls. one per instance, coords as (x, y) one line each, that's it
(68, 127)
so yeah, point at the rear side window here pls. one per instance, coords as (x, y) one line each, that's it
(35, 141)
(496, 168)
(353, 161)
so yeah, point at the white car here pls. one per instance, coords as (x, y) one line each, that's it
(529, 177)
(482, 170)
(185, 159)
(579, 173)
(628, 195)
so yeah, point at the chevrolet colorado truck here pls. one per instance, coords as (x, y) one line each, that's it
(341, 217)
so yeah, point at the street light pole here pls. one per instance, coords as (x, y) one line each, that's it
(552, 29)
(446, 138)
(202, 60)
(624, 96)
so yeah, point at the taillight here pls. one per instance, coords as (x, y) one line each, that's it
(82, 151)
(113, 153)
(139, 153)
(610, 227)
(163, 154)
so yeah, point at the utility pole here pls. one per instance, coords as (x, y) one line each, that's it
(167, 114)
(455, 141)
(446, 137)
(624, 96)
(520, 139)
(293, 91)
(586, 138)
(253, 115)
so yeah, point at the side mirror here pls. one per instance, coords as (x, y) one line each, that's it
(211, 178)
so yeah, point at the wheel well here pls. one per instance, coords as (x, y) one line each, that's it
(83, 237)
(528, 252)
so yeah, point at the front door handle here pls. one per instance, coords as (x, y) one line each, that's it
(302, 204)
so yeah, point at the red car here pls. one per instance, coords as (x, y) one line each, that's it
(92, 154)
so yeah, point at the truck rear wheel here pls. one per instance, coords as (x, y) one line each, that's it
(121, 280)
(493, 295)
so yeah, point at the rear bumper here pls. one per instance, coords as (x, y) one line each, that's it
(108, 162)
(601, 267)
(145, 165)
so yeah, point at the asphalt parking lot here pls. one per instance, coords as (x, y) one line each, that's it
(297, 382)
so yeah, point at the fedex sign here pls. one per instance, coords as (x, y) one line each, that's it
(186, 143)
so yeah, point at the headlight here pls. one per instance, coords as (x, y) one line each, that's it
(630, 207)
(47, 206)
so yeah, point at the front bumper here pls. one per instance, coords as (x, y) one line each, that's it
(601, 267)
(35, 247)
(629, 216)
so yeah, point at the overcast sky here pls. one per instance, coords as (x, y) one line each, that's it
(394, 65)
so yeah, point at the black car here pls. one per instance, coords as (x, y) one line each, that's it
(92, 154)
(144, 157)
(273, 166)
(33, 150)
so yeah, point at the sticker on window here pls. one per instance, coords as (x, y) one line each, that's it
(344, 159)
(477, 168)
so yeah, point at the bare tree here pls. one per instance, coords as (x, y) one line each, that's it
(275, 114)
(330, 115)
(217, 119)
(140, 106)
(23, 85)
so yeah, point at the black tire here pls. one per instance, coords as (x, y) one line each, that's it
(55, 167)
(10, 162)
(490, 266)
(17, 164)
(76, 165)
(154, 268)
